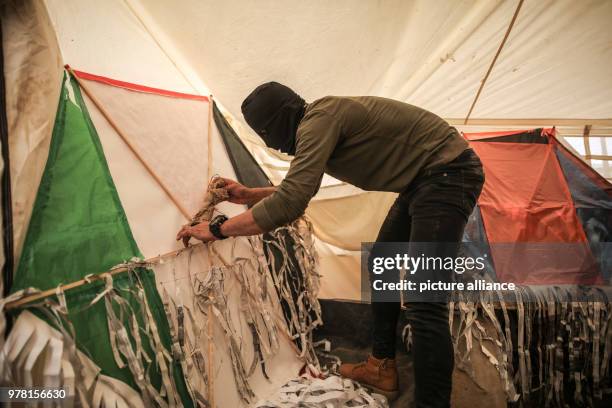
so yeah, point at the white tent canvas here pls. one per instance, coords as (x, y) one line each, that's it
(552, 71)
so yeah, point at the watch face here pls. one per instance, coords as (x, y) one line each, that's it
(215, 226)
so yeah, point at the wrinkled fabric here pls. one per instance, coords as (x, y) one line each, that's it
(33, 74)
(274, 112)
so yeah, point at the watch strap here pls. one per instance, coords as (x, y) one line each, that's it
(215, 226)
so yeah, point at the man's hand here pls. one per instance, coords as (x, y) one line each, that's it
(198, 231)
(238, 194)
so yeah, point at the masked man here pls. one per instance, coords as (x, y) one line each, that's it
(376, 144)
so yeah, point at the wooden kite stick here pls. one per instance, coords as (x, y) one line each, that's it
(89, 279)
(210, 141)
(210, 334)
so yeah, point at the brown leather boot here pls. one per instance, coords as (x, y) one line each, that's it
(378, 375)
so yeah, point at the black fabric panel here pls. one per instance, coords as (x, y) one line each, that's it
(588, 189)
(593, 208)
(247, 170)
(530, 136)
(7, 211)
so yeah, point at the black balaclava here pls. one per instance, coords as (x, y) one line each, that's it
(274, 112)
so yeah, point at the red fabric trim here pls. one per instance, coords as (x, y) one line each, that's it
(487, 135)
(137, 87)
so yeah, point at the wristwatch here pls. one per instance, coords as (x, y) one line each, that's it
(215, 226)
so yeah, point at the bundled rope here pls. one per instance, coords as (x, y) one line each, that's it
(215, 194)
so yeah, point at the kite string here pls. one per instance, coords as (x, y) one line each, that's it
(209, 137)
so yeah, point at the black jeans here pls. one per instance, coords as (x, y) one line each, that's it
(435, 208)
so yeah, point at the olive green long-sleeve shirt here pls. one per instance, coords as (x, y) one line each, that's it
(376, 144)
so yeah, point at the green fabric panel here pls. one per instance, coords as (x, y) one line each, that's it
(78, 227)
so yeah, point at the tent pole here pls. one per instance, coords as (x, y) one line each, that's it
(587, 146)
(210, 141)
(209, 333)
(535, 122)
(50, 292)
(484, 80)
(124, 137)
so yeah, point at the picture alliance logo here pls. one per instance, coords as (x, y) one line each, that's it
(413, 264)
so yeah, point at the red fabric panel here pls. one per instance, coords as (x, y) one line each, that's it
(525, 199)
(137, 87)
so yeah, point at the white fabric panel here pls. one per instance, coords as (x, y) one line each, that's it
(173, 280)
(32, 73)
(340, 272)
(318, 47)
(555, 64)
(170, 134)
(153, 217)
(348, 221)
